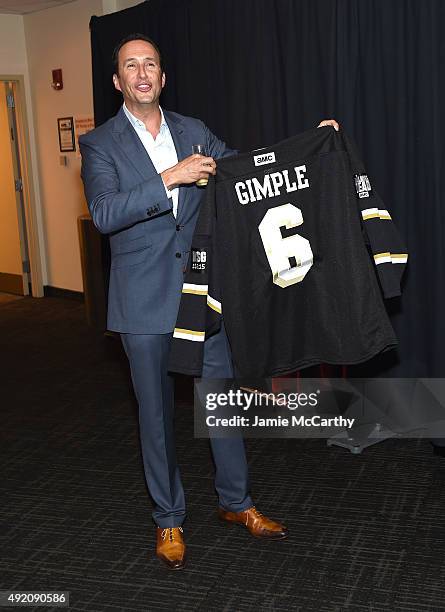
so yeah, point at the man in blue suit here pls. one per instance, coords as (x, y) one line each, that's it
(140, 184)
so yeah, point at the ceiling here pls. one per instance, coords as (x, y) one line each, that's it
(22, 7)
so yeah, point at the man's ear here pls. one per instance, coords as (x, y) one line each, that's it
(116, 82)
(163, 80)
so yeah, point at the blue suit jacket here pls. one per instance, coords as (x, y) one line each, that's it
(127, 200)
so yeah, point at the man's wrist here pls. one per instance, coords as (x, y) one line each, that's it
(168, 179)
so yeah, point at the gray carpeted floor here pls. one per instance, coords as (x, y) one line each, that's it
(367, 531)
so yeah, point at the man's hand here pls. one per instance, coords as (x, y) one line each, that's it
(332, 122)
(189, 170)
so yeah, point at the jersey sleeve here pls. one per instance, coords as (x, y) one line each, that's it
(199, 314)
(386, 245)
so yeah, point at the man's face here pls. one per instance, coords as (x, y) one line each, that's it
(140, 77)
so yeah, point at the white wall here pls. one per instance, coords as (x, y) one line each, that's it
(123, 4)
(12, 45)
(13, 62)
(33, 45)
(111, 6)
(59, 38)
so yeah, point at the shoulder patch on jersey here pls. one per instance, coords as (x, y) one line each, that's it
(362, 185)
(199, 260)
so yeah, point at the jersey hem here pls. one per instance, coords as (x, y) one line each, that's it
(299, 365)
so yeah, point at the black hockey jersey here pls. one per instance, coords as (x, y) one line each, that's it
(280, 251)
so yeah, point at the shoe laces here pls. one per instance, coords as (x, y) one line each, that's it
(169, 531)
(256, 512)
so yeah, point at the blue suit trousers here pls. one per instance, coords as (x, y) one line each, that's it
(153, 386)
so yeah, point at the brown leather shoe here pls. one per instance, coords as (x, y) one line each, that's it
(258, 525)
(170, 547)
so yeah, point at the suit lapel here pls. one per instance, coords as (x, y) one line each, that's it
(183, 147)
(129, 141)
(179, 135)
(125, 135)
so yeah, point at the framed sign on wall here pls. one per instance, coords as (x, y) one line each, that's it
(66, 134)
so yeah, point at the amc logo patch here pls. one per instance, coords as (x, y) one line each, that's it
(265, 158)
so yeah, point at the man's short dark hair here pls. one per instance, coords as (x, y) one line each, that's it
(129, 38)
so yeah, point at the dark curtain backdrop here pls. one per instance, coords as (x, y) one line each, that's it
(257, 71)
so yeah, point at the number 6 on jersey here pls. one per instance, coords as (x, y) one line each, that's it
(279, 249)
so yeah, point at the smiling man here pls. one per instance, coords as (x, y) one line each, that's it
(139, 88)
(140, 185)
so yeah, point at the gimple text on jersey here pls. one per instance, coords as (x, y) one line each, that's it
(252, 190)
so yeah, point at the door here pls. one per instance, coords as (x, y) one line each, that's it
(14, 262)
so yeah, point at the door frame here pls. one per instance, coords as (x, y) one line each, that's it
(29, 199)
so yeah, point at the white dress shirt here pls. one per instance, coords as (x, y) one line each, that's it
(161, 149)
